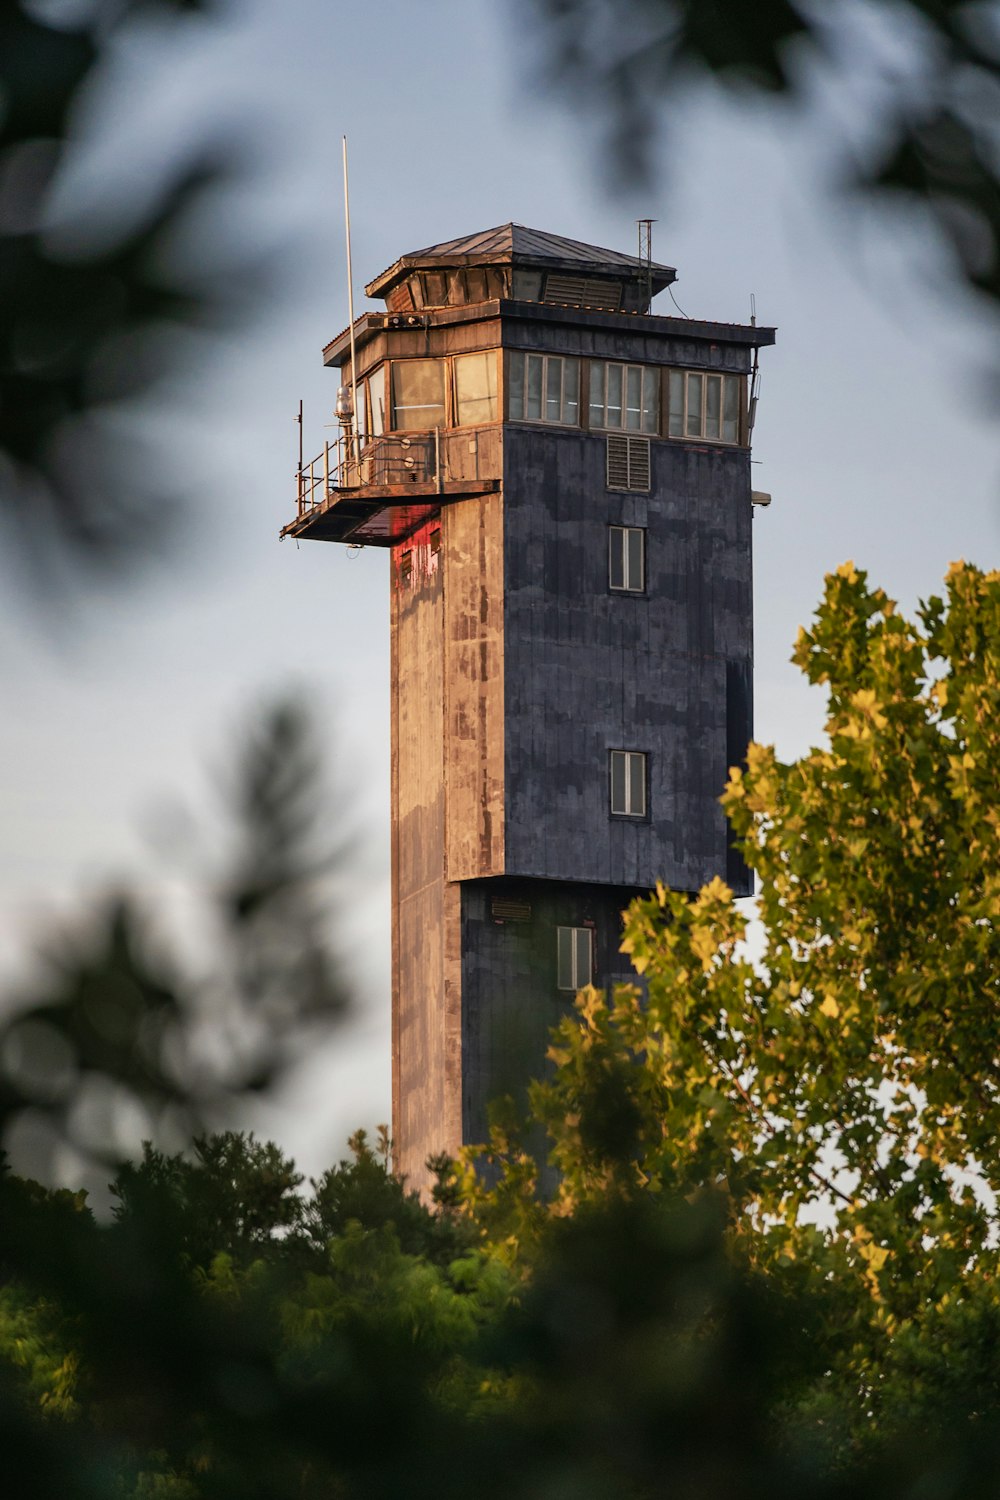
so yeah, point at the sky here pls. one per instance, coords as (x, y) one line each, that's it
(874, 436)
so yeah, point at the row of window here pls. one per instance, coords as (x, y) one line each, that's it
(462, 391)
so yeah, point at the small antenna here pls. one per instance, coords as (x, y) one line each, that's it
(646, 254)
(350, 315)
(754, 373)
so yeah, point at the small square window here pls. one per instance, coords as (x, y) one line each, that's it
(628, 783)
(627, 559)
(575, 949)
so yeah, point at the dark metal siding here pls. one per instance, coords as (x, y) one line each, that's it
(588, 671)
(510, 998)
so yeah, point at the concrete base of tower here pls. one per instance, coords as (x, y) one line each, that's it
(527, 945)
(479, 983)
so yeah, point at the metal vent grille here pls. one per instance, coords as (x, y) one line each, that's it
(628, 463)
(510, 911)
(583, 291)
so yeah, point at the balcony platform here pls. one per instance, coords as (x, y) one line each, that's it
(381, 515)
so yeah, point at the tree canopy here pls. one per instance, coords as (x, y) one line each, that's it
(771, 1263)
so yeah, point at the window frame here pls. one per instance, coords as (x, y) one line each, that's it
(627, 810)
(446, 379)
(454, 361)
(370, 395)
(626, 586)
(578, 933)
(648, 375)
(729, 379)
(547, 360)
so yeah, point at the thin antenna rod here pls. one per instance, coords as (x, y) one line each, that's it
(350, 314)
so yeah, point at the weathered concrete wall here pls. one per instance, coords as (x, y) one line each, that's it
(472, 549)
(426, 1000)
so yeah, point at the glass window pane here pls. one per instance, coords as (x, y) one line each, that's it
(731, 409)
(713, 405)
(694, 406)
(475, 389)
(533, 409)
(583, 952)
(515, 396)
(571, 391)
(564, 960)
(635, 578)
(650, 400)
(417, 394)
(637, 785)
(633, 398)
(614, 408)
(553, 390)
(675, 394)
(596, 395)
(376, 403)
(618, 801)
(616, 558)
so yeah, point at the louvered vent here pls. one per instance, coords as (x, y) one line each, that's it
(510, 911)
(583, 291)
(628, 463)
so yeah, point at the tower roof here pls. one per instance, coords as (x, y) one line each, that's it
(514, 244)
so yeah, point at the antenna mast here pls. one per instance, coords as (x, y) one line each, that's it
(646, 253)
(350, 314)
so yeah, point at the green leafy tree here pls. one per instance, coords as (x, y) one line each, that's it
(841, 1091)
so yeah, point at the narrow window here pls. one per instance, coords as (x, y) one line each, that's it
(626, 559)
(543, 388)
(625, 398)
(574, 957)
(628, 783)
(417, 394)
(375, 387)
(475, 389)
(704, 406)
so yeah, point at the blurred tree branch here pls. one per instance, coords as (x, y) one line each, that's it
(114, 1035)
(933, 118)
(85, 327)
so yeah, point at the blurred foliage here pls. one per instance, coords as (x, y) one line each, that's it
(119, 1039)
(771, 1262)
(924, 128)
(90, 306)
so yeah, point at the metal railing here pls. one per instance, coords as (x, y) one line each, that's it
(393, 458)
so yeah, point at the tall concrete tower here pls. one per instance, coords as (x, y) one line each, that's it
(563, 479)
